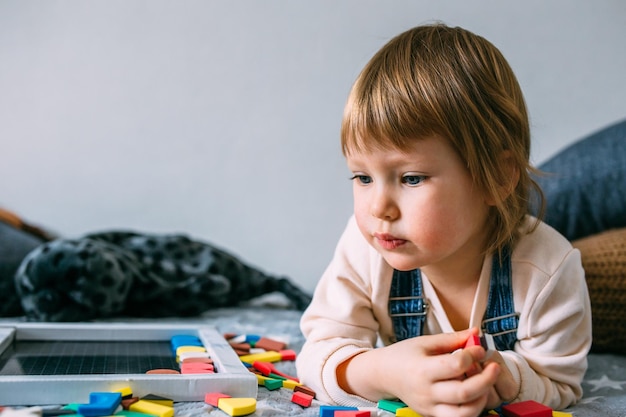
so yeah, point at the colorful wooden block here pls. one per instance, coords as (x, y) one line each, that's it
(101, 404)
(407, 412)
(329, 410)
(561, 414)
(269, 356)
(126, 392)
(196, 368)
(526, 409)
(158, 400)
(269, 383)
(270, 344)
(237, 406)
(290, 384)
(163, 371)
(302, 399)
(473, 340)
(353, 413)
(390, 405)
(155, 409)
(126, 402)
(267, 368)
(212, 398)
(305, 389)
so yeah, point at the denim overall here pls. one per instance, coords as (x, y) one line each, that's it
(408, 307)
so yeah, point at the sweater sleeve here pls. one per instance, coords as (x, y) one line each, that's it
(554, 335)
(340, 321)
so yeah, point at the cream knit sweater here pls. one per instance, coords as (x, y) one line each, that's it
(349, 314)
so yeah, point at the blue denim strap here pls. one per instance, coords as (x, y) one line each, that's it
(408, 307)
(500, 319)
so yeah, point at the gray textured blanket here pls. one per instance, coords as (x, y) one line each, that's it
(603, 385)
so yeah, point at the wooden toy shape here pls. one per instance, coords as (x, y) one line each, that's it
(526, 409)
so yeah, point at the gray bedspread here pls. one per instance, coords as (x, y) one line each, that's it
(603, 386)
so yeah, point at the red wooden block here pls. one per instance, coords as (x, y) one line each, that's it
(212, 398)
(526, 409)
(196, 368)
(473, 341)
(353, 413)
(287, 354)
(302, 399)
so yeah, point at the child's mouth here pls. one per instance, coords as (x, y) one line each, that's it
(388, 242)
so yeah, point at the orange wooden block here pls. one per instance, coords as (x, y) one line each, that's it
(162, 371)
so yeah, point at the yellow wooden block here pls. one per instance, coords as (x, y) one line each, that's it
(407, 412)
(560, 414)
(237, 406)
(185, 349)
(126, 391)
(269, 356)
(290, 383)
(147, 407)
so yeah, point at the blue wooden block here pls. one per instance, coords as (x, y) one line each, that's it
(101, 404)
(329, 410)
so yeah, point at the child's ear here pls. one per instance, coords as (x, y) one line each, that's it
(508, 182)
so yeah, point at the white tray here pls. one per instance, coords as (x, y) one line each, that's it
(231, 377)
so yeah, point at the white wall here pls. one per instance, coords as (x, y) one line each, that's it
(220, 119)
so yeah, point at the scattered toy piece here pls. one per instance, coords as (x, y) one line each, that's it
(526, 409)
(157, 399)
(212, 398)
(305, 389)
(390, 405)
(237, 406)
(407, 412)
(329, 410)
(353, 413)
(270, 344)
(101, 404)
(302, 399)
(267, 368)
(155, 409)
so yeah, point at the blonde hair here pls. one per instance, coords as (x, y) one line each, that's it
(436, 80)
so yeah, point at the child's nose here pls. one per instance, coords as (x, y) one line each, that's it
(384, 207)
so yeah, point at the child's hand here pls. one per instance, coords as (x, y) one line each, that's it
(424, 374)
(505, 388)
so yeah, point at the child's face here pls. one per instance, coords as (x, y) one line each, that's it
(419, 208)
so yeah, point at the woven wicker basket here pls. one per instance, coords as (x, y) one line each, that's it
(604, 261)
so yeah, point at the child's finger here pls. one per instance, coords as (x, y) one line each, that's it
(446, 342)
(467, 390)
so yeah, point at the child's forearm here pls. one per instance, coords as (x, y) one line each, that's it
(363, 375)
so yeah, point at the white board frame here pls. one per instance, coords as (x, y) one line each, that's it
(231, 377)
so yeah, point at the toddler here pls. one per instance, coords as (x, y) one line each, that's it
(441, 246)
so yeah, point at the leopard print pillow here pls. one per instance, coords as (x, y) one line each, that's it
(122, 273)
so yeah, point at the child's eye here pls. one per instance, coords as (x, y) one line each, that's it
(413, 179)
(363, 179)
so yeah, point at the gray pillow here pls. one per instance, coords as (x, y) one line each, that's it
(585, 184)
